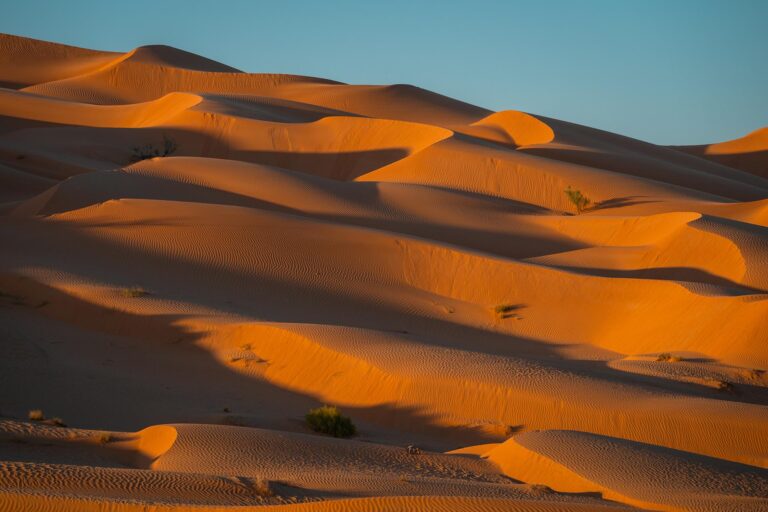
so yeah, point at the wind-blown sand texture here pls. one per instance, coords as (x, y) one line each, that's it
(407, 257)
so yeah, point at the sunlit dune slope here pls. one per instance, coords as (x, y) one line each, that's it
(194, 256)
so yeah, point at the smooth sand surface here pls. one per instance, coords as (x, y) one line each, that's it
(407, 257)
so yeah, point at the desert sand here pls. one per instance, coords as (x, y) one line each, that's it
(409, 258)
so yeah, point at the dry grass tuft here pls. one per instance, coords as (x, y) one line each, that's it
(263, 488)
(541, 489)
(133, 292)
(56, 422)
(503, 311)
(666, 357)
(721, 385)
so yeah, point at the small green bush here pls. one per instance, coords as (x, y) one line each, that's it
(579, 200)
(328, 420)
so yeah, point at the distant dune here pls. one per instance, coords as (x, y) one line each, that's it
(748, 153)
(553, 317)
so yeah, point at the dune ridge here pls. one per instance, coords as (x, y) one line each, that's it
(194, 256)
(748, 153)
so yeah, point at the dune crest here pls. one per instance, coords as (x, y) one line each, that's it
(518, 128)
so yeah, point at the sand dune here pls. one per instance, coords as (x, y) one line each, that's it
(748, 153)
(195, 256)
(637, 474)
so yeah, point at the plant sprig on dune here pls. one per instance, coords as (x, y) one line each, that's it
(579, 200)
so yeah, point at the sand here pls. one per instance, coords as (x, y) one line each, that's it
(409, 258)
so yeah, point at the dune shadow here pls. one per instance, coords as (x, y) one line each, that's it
(425, 429)
(274, 109)
(131, 393)
(685, 276)
(620, 202)
(7, 84)
(112, 148)
(700, 180)
(742, 393)
(340, 166)
(753, 162)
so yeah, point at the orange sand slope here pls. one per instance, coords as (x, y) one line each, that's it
(193, 257)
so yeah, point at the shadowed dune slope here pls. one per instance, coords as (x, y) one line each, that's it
(193, 257)
(748, 153)
(25, 62)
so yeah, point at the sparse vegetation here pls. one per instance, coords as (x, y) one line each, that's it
(579, 200)
(263, 488)
(36, 415)
(328, 420)
(507, 311)
(751, 373)
(413, 450)
(721, 385)
(541, 489)
(150, 151)
(133, 292)
(57, 422)
(666, 357)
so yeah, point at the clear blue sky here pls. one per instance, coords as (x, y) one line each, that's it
(665, 71)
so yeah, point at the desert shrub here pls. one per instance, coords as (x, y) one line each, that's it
(541, 489)
(579, 200)
(150, 151)
(263, 488)
(751, 373)
(36, 415)
(666, 357)
(413, 450)
(721, 385)
(104, 437)
(133, 292)
(328, 420)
